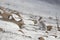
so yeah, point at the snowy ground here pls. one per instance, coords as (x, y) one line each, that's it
(31, 31)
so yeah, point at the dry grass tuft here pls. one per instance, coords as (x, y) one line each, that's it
(41, 38)
(20, 23)
(1, 29)
(21, 31)
(6, 16)
(58, 28)
(49, 27)
(35, 21)
(50, 18)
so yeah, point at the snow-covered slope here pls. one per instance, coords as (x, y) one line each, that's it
(30, 31)
(32, 6)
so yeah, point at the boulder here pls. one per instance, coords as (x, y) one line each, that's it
(41, 38)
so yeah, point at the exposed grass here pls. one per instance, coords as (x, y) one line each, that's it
(5, 16)
(1, 29)
(41, 38)
(49, 27)
(35, 21)
(58, 28)
(21, 31)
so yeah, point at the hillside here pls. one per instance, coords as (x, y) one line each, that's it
(29, 20)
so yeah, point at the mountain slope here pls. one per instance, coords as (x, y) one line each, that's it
(33, 6)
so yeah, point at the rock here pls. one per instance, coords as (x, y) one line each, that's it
(20, 23)
(41, 38)
(49, 27)
(58, 28)
(35, 21)
(21, 31)
(1, 29)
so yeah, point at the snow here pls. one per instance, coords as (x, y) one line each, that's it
(32, 6)
(16, 17)
(28, 22)
(12, 33)
(31, 31)
(8, 26)
(1, 11)
(1, 17)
